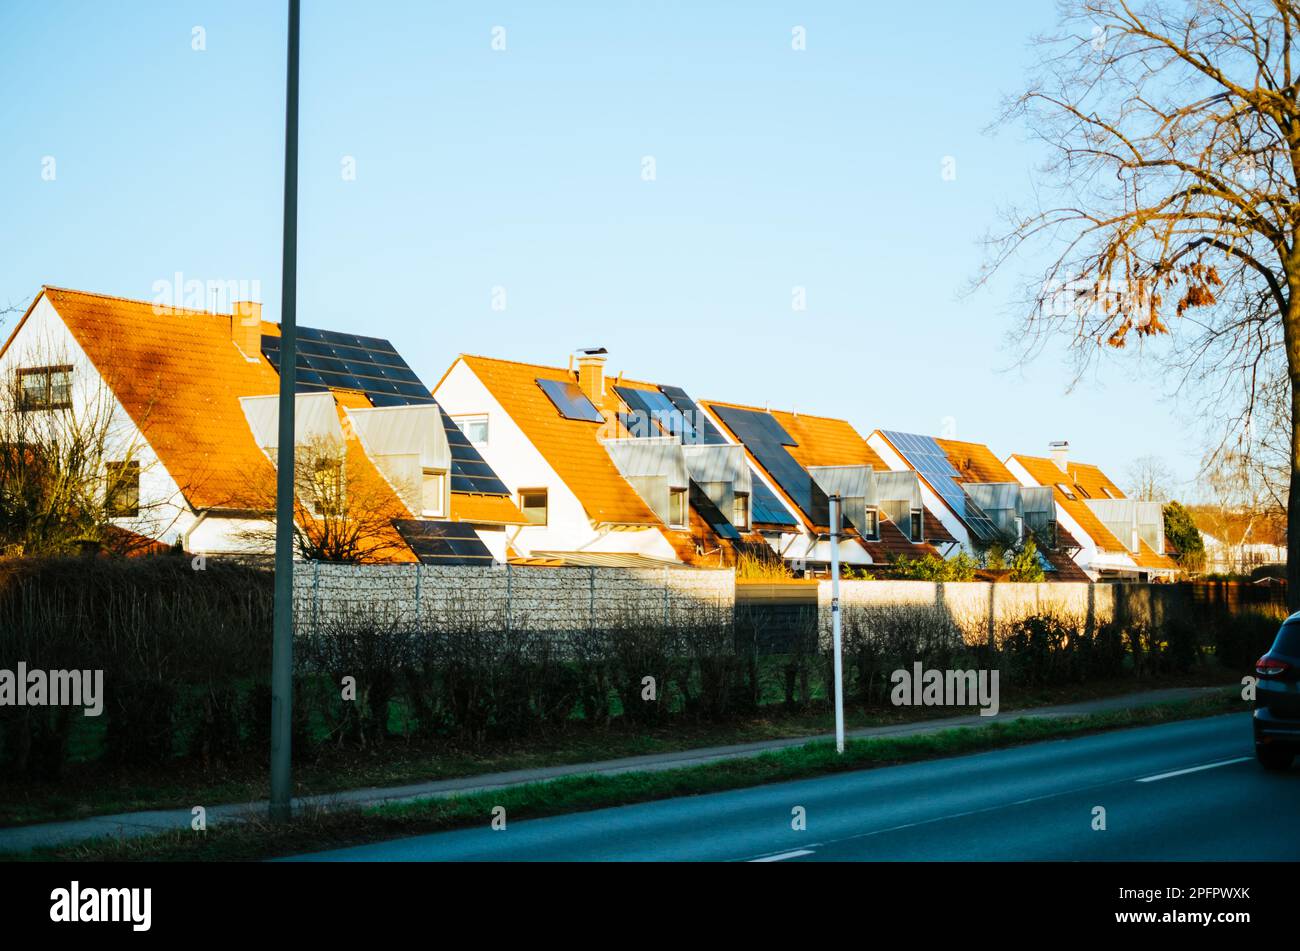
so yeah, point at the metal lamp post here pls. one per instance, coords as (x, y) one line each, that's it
(282, 636)
(835, 623)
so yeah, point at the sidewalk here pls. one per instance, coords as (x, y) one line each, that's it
(126, 825)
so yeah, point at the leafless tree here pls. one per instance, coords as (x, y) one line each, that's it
(70, 466)
(1239, 505)
(343, 510)
(1170, 205)
(1149, 478)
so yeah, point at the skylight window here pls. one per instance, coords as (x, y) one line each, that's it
(1067, 491)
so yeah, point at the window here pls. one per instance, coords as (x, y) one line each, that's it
(433, 492)
(122, 489)
(532, 502)
(740, 511)
(1066, 491)
(871, 527)
(45, 388)
(677, 508)
(917, 526)
(475, 428)
(1080, 490)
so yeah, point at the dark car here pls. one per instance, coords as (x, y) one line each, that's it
(1277, 699)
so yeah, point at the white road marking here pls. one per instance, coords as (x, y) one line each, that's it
(783, 856)
(1193, 769)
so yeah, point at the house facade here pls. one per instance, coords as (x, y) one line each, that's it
(1119, 539)
(803, 459)
(980, 501)
(606, 470)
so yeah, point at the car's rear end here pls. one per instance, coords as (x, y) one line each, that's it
(1277, 698)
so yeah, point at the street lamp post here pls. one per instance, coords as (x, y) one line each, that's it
(835, 623)
(282, 636)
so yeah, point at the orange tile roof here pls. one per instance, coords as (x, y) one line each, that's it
(571, 447)
(975, 461)
(179, 376)
(485, 509)
(1091, 480)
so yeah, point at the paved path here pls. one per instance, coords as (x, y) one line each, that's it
(24, 838)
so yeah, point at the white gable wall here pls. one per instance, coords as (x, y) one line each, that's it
(522, 466)
(44, 340)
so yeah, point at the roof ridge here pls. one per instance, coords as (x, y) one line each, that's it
(797, 413)
(133, 300)
(517, 363)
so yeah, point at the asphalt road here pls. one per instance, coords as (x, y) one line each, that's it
(1180, 791)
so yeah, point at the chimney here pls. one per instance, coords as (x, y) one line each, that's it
(246, 328)
(1060, 453)
(591, 374)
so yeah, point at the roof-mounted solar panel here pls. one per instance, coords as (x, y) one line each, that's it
(766, 508)
(651, 406)
(766, 439)
(443, 543)
(706, 432)
(469, 470)
(569, 399)
(927, 457)
(327, 359)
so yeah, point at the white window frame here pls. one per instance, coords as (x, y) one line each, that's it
(441, 476)
(740, 506)
(472, 418)
(673, 496)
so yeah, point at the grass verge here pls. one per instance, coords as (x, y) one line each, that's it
(321, 829)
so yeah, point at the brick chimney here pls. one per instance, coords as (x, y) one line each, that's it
(1060, 453)
(591, 374)
(246, 327)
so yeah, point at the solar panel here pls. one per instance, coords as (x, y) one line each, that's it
(655, 406)
(712, 514)
(328, 359)
(469, 471)
(766, 508)
(926, 456)
(767, 439)
(570, 400)
(443, 543)
(704, 428)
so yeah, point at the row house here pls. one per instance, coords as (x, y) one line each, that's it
(187, 404)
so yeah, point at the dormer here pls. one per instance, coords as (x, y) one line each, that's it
(408, 445)
(1003, 504)
(898, 494)
(721, 472)
(1132, 521)
(656, 468)
(1039, 508)
(856, 487)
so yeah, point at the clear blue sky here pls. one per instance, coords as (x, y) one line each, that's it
(522, 169)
